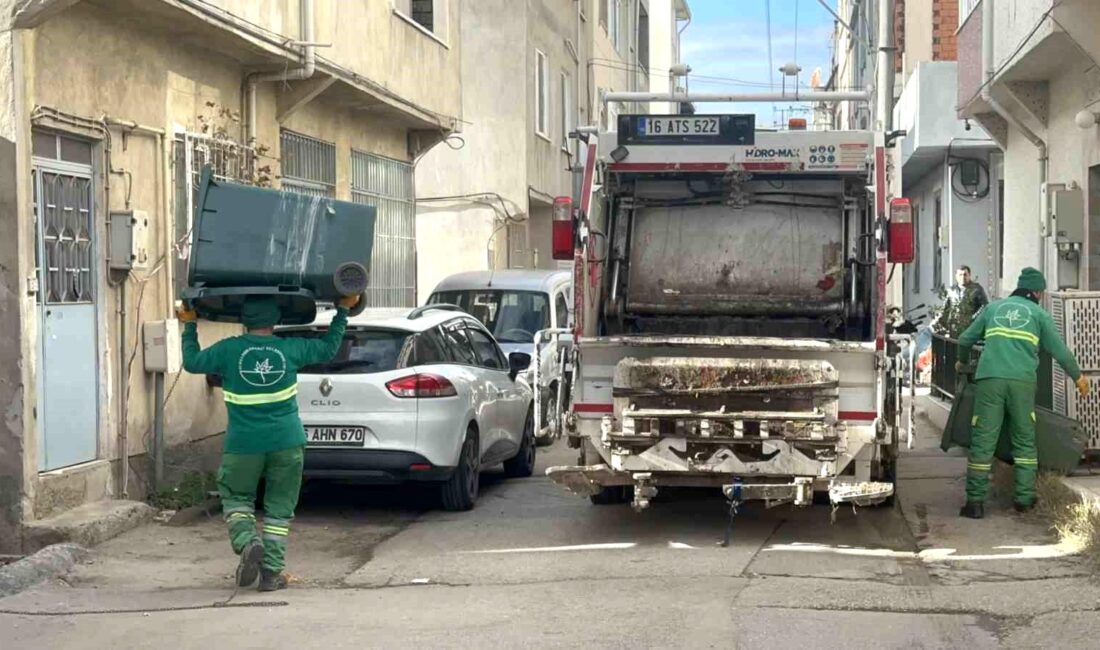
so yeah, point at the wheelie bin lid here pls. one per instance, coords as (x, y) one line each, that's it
(223, 304)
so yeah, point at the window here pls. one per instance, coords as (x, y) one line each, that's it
(431, 15)
(488, 354)
(428, 349)
(511, 316)
(643, 38)
(604, 4)
(362, 352)
(566, 113)
(542, 95)
(387, 184)
(458, 346)
(561, 311)
(965, 7)
(614, 26)
(309, 164)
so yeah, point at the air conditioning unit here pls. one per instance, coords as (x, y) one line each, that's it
(1077, 317)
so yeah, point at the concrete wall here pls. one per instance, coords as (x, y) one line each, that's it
(414, 65)
(918, 37)
(87, 62)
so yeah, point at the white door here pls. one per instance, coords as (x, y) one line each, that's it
(482, 391)
(509, 407)
(68, 384)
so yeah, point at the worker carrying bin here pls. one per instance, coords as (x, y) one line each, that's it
(252, 241)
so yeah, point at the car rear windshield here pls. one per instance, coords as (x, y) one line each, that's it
(512, 316)
(363, 351)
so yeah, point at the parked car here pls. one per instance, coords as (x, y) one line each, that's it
(514, 305)
(426, 396)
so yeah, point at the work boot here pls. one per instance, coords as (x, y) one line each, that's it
(252, 556)
(272, 581)
(1022, 508)
(973, 510)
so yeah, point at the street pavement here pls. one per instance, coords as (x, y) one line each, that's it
(533, 566)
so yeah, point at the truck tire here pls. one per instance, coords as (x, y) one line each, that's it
(548, 416)
(459, 492)
(522, 464)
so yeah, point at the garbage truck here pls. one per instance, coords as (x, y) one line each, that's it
(729, 314)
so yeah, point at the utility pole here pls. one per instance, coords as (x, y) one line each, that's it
(884, 84)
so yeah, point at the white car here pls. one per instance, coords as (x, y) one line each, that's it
(427, 396)
(514, 305)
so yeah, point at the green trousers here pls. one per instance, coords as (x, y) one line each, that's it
(238, 478)
(998, 402)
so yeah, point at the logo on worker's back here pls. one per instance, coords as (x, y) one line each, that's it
(1012, 316)
(262, 367)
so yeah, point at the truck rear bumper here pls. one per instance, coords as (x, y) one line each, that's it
(591, 479)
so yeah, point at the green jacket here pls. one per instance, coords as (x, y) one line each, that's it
(1014, 329)
(260, 382)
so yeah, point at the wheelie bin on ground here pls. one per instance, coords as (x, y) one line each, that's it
(1060, 441)
(299, 248)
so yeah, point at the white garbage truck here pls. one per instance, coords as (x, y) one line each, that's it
(730, 325)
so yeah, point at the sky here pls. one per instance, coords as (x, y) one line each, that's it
(729, 39)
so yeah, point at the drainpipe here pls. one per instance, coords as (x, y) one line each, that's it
(884, 91)
(309, 66)
(987, 96)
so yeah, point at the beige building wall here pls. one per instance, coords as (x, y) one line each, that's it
(176, 70)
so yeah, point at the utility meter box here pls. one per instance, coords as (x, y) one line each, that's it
(161, 341)
(128, 233)
(1068, 209)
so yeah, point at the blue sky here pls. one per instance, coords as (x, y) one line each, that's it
(729, 39)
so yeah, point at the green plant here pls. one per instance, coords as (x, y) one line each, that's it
(192, 490)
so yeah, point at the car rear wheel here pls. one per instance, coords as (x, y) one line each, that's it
(460, 491)
(549, 415)
(522, 464)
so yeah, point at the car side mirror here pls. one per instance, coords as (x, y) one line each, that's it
(517, 363)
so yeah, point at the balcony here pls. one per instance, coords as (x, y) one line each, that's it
(930, 129)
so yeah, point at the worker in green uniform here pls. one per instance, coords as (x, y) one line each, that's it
(1014, 329)
(264, 438)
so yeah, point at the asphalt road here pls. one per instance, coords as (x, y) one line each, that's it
(533, 566)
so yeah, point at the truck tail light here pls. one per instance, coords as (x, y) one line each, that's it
(563, 233)
(902, 250)
(415, 386)
(796, 124)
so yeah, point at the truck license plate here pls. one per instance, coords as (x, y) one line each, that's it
(336, 436)
(679, 126)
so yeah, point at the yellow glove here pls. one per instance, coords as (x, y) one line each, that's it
(1082, 386)
(186, 315)
(349, 302)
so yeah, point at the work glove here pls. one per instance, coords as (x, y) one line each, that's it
(959, 366)
(349, 302)
(1082, 386)
(186, 314)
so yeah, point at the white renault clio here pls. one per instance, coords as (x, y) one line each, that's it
(427, 396)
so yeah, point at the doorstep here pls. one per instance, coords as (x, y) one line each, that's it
(86, 525)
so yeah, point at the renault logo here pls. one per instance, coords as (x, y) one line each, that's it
(326, 386)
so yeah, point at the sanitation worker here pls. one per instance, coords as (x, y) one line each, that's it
(265, 437)
(1014, 329)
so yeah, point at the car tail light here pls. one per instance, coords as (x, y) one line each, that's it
(421, 386)
(562, 236)
(902, 250)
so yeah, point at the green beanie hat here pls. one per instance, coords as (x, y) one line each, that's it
(1032, 280)
(260, 312)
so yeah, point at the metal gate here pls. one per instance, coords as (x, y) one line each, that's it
(387, 184)
(68, 375)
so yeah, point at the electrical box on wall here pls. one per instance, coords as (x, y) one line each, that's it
(128, 235)
(161, 341)
(1068, 209)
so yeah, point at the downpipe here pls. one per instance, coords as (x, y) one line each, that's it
(306, 71)
(1038, 142)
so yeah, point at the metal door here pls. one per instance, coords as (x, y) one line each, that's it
(68, 395)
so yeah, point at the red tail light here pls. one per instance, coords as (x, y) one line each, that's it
(421, 386)
(902, 248)
(562, 233)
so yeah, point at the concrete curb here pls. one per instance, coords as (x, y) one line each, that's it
(87, 525)
(50, 562)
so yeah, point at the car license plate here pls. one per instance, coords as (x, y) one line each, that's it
(336, 436)
(673, 126)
